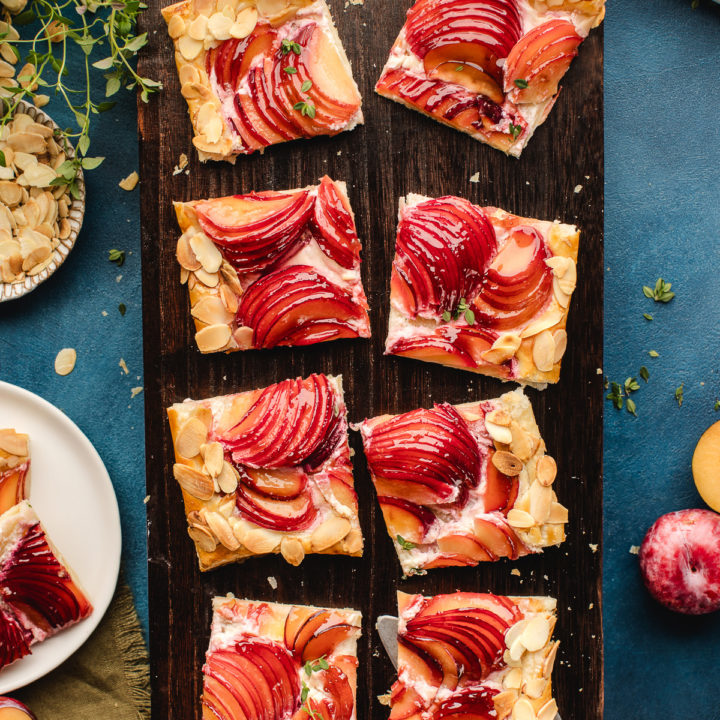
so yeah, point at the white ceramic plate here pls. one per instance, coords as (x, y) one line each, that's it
(71, 491)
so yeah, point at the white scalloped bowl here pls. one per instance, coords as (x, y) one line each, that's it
(11, 291)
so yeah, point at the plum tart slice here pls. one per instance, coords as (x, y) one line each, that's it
(267, 471)
(268, 661)
(260, 72)
(472, 655)
(490, 68)
(463, 484)
(273, 268)
(14, 468)
(479, 289)
(39, 593)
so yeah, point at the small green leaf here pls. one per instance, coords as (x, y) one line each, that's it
(104, 64)
(631, 407)
(717, 405)
(647, 316)
(116, 256)
(308, 668)
(306, 86)
(90, 163)
(405, 544)
(137, 43)
(323, 663)
(311, 110)
(679, 394)
(83, 145)
(304, 693)
(24, 18)
(647, 291)
(631, 385)
(515, 130)
(446, 316)
(522, 84)
(112, 86)
(122, 309)
(290, 70)
(469, 317)
(653, 353)
(644, 373)
(105, 106)
(296, 48)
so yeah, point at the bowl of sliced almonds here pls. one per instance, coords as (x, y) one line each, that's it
(40, 216)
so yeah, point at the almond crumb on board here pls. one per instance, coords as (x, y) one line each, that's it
(182, 164)
(146, 499)
(475, 178)
(272, 582)
(577, 189)
(599, 371)
(634, 549)
(384, 699)
(515, 572)
(65, 361)
(593, 547)
(124, 366)
(135, 391)
(130, 182)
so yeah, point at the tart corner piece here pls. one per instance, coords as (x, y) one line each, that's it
(267, 471)
(480, 289)
(14, 468)
(463, 484)
(273, 268)
(39, 593)
(501, 669)
(260, 72)
(489, 69)
(275, 662)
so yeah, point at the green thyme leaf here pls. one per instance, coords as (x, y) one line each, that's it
(290, 70)
(653, 353)
(515, 131)
(117, 257)
(296, 48)
(631, 407)
(644, 374)
(306, 86)
(679, 394)
(717, 405)
(446, 316)
(616, 395)
(661, 292)
(122, 309)
(522, 84)
(647, 316)
(405, 544)
(631, 385)
(308, 668)
(305, 692)
(285, 46)
(647, 291)
(469, 317)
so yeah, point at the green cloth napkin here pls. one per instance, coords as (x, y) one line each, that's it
(108, 678)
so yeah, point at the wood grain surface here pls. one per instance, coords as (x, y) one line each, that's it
(395, 152)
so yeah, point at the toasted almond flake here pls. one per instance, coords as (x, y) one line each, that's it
(292, 550)
(176, 27)
(523, 710)
(559, 264)
(536, 633)
(507, 463)
(206, 252)
(498, 417)
(272, 582)
(193, 482)
(229, 299)
(41, 100)
(499, 433)
(546, 470)
(208, 279)
(13, 442)
(202, 537)
(558, 513)
(190, 437)
(211, 310)
(560, 338)
(134, 392)
(549, 660)
(213, 338)
(198, 28)
(244, 23)
(520, 519)
(227, 480)
(562, 299)
(10, 193)
(268, 8)
(534, 687)
(130, 182)
(502, 349)
(593, 547)
(354, 541)
(330, 532)
(65, 361)
(231, 278)
(513, 678)
(260, 541)
(124, 366)
(188, 74)
(189, 48)
(548, 320)
(504, 702)
(548, 711)
(185, 254)
(220, 527)
(544, 351)
(634, 549)
(516, 649)
(541, 498)
(27, 142)
(214, 458)
(475, 178)
(219, 26)
(523, 444)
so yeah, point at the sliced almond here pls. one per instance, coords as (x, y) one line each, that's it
(548, 320)
(209, 279)
(520, 519)
(229, 299)
(499, 433)
(549, 661)
(227, 479)
(516, 649)
(507, 463)
(330, 532)
(243, 336)
(189, 47)
(504, 702)
(205, 251)
(562, 298)
(260, 541)
(185, 254)
(65, 361)
(548, 711)
(245, 23)
(568, 281)
(211, 310)
(130, 182)
(198, 28)
(213, 338)
(292, 550)
(354, 541)
(534, 687)
(38, 176)
(541, 497)
(193, 482)
(523, 710)
(546, 470)
(502, 349)
(544, 351)
(523, 444)
(558, 513)
(13, 442)
(559, 264)
(213, 455)
(560, 338)
(220, 527)
(27, 142)
(514, 632)
(176, 27)
(231, 277)
(536, 633)
(513, 678)
(188, 74)
(219, 26)
(190, 438)
(498, 417)
(202, 537)
(10, 193)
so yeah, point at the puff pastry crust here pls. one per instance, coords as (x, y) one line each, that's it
(514, 275)
(267, 471)
(14, 468)
(491, 70)
(260, 72)
(501, 669)
(272, 268)
(463, 484)
(294, 661)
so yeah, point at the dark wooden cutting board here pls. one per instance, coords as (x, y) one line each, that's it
(397, 151)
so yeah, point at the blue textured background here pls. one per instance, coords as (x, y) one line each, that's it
(662, 219)
(662, 213)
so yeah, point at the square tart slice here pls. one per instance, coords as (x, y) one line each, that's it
(489, 68)
(268, 661)
(473, 655)
(39, 593)
(273, 268)
(267, 471)
(260, 73)
(463, 484)
(14, 468)
(480, 289)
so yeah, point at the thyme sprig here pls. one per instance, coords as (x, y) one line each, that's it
(660, 293)
(462, 309)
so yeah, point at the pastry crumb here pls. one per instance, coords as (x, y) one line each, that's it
(593, 547)
(475, 178)
(130, 182)
(599, 371)
(146, 499)
(272, 582)
(634, 549)
(591, 606)
(515, 571)
(65, 361)
(104, 313)
(384, 699)
(577, 189)
(182, 164)
(118, 278)
(135, 391)
(124, 366)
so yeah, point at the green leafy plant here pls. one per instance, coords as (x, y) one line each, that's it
(462, 309)
(405, 544)
(660, 293)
